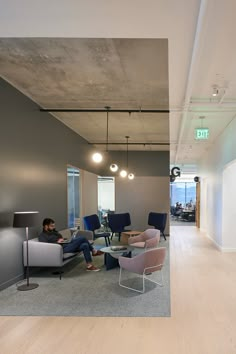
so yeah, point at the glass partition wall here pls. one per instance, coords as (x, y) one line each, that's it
(73, 194)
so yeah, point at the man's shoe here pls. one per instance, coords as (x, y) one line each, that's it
(98, 253)
(92, 269)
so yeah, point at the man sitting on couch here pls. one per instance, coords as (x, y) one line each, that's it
(77, 244)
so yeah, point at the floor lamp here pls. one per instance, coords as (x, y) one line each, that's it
(26, 219)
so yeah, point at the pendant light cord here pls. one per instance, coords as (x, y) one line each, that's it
(107, 108)
(127, 153)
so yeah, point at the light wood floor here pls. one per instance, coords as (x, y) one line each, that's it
(203, 321)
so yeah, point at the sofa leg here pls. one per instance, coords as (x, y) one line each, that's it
(58, 272)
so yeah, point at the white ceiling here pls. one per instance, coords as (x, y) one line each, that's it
(201, 53)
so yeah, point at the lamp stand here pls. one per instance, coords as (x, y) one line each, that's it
(27, 286)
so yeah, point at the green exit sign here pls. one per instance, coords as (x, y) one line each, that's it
(201, 133)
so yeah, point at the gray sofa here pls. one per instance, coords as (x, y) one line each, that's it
(51, 254)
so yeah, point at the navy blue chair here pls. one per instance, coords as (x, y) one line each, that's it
(118, 222)
(92, 223)
(158, 220)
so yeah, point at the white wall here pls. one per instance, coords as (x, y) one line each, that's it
(203, 204)
(228, 207)
(211, 172)
(140, 196)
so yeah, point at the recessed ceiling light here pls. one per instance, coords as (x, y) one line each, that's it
(215, 91)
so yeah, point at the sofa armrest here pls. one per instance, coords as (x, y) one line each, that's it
(43, 254)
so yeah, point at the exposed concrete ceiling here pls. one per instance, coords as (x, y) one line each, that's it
(94, 73)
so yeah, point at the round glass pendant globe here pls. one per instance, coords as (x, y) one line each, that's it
(131, 176)
(113, 167)
(123, 173)
(97, 157)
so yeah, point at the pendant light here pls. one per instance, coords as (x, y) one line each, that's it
(114, 167)
(97, 157)
(124, 172)
(130, 176)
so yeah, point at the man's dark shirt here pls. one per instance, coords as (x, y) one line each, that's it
(49, 236)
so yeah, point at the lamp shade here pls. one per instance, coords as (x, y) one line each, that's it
(26, 219)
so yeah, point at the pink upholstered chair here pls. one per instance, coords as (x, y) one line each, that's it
(144, 264)
(147, 239)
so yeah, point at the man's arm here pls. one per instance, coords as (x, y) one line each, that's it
(59, 236)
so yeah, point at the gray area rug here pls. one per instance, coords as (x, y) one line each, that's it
(82, 293)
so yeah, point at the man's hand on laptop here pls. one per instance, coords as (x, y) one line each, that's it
(60, 240)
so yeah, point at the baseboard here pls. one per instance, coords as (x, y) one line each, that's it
(220, 248)
(214, 242)
(227, 250)
(11, 282)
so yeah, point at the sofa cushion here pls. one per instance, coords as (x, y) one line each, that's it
(69, 255)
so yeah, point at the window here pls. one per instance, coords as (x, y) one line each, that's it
(182, 192)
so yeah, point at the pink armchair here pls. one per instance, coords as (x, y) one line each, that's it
(147, 239)
(144, 264)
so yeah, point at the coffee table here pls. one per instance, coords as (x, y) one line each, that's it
(125, 235)
(111, 257)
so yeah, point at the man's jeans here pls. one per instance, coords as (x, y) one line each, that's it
(77, 244)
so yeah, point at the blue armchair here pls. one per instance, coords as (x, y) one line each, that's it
(118, 222)
(158, 220)
(92, 223)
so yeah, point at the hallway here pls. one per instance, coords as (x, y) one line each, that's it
(203, 320)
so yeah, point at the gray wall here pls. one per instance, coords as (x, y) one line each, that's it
(141, 163)
(140, 196)
(35, 149)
